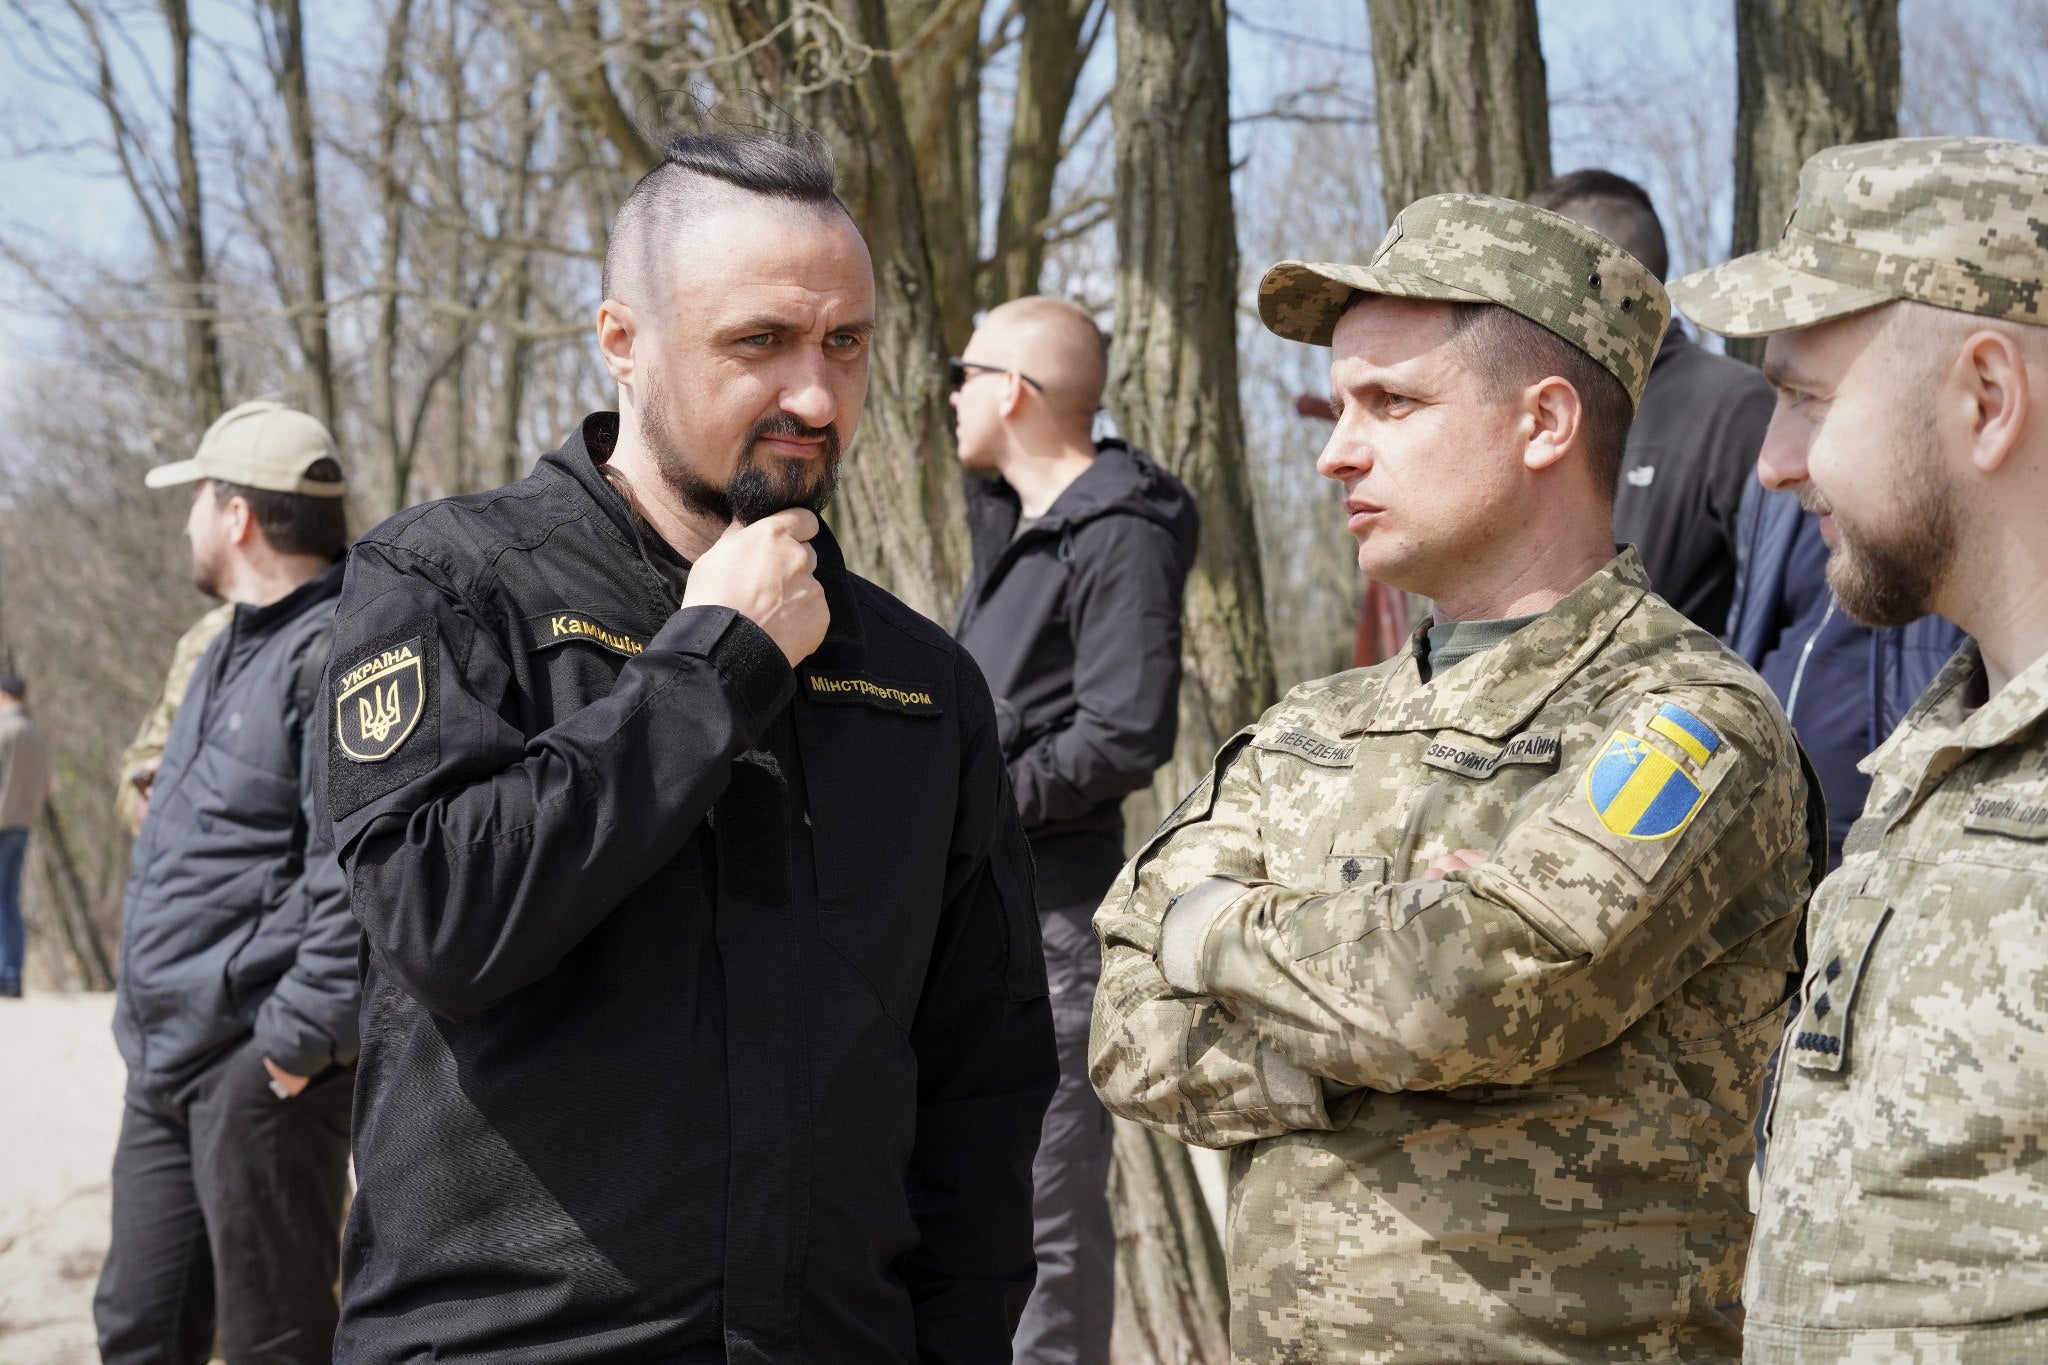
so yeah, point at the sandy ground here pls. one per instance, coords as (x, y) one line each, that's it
(60, 1110)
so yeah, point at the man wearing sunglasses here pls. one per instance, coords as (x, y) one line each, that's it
(1081, 548)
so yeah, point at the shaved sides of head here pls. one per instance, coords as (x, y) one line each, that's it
(700, 173)
(1055, 342)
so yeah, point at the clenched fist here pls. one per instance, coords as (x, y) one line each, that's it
(767, 572)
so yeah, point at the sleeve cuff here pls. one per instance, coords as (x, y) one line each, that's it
(745, 655)
(1186, 929)
(303, 1053)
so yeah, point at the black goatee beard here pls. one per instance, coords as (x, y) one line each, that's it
(757, 488)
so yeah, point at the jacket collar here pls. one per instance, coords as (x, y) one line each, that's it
(1493, 694)
(1941, 732)
(251, 621)
(577, 460)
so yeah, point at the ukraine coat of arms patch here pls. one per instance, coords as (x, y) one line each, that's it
(378, 702)
(1641, 792)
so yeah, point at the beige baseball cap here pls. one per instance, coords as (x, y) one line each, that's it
(258, 445)
(1956, 222)
(1477, 248)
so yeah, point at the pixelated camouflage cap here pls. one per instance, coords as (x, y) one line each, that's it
(1475, 248)
(1956, 222)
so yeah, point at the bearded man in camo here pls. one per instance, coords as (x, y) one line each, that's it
(1474, 958)
(1903, 1214)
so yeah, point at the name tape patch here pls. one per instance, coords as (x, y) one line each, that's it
(563, 627)
(2014, 816)
(378, 702)
(1326, 753)
(1477, 759)
(854, 689)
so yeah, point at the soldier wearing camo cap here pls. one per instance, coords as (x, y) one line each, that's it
(1474, 957)
(1904, 1203)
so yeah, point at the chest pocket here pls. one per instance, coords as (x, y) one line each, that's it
(882, 784)
(1312, 786)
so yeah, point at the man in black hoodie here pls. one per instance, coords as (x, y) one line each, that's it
(1081, 549)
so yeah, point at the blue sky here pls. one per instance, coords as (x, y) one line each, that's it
(1678, 54)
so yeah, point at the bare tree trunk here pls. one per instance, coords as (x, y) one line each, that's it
(453, 181)
(899, 511)
(1173, 364)
(191, 272)
(901, 505)
(287, 43)
(1809, 74)
(1172, 1294)
(1173, 391)
(510, 397)
(391, 205)
(941, 84)
(1048, 66)
(1459, 89)
(568, 43)
(71, 905)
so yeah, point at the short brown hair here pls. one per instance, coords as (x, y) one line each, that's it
(1508, 352)
(296, 523)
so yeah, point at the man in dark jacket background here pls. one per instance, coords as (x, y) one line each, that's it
(1081, 550)
(237, 1006)
(1845, 686)
(1692, 449)
(704, 1014)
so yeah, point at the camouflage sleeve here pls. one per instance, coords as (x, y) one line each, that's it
(1186, 1066)
(1615, 881)
(156, 726)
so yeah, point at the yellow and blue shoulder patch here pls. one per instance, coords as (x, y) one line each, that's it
(1656, 775)
(1641, 792)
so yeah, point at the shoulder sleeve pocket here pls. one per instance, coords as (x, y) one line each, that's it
(385, 724)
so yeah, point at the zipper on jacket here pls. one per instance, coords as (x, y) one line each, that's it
(1806, 653)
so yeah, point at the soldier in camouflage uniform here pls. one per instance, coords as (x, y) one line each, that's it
(144, 754)
(1904, 1203)
(1474, 958)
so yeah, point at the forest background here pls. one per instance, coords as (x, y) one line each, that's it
(391, 213)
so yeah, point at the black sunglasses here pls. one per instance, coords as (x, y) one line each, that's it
(957, 373)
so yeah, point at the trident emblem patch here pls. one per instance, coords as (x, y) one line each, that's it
(378, 702)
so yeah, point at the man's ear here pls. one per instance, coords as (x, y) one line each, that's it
(1551, 415)
(617, 329)
(1013, 394)
(1996, 397)
(241, 519)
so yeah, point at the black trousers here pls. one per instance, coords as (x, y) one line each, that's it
(1067, 1319)
(227, 1215)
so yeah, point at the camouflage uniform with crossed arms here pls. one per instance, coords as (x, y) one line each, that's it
(1904, 1206)
(1504, 1114)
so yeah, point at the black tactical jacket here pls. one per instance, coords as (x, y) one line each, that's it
(704, 1011)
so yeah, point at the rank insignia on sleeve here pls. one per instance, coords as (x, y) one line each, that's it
(378, 702)
(1639, 791)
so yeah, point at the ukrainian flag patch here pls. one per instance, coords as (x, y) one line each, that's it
(1687, 731)
(1639, 791)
